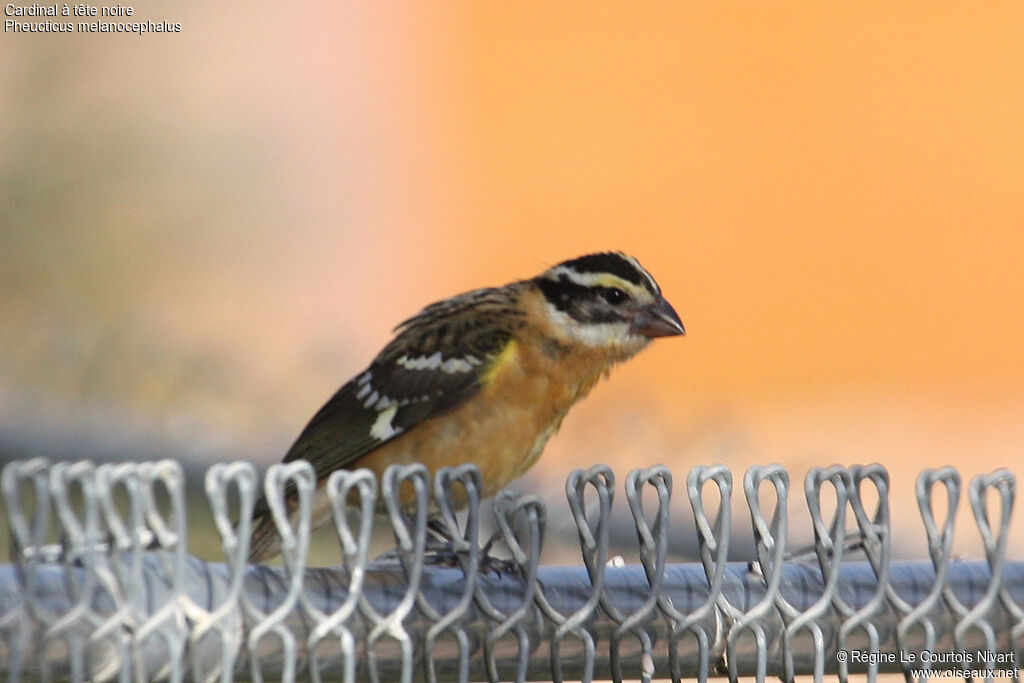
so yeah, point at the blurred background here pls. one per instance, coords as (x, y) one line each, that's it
(204, 233)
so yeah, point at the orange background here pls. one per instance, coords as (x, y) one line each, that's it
(207, 232)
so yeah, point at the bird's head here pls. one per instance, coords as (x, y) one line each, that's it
(607, 300)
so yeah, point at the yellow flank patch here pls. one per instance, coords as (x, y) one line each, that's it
(507, 355)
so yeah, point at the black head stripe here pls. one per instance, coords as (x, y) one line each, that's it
(563, 293)
(573, 299)
(615, 264)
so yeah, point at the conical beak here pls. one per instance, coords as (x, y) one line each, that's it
(660, 320)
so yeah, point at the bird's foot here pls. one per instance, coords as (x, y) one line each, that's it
(501, 566)
(447, 554)
(442, 549)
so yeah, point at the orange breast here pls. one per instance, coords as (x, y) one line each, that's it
(504, 428)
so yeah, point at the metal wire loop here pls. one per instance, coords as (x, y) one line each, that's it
(101, 587)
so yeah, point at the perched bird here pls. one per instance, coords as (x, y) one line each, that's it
(483, 377)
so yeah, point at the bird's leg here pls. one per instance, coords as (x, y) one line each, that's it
(441, 544)
(486, 550)
(444, 550)
(438, 543)
(440, 533)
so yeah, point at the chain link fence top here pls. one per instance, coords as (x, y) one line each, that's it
(117, 597)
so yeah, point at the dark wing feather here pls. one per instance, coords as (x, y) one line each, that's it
(435, 362)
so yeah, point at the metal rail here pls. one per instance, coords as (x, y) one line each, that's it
(119, 598)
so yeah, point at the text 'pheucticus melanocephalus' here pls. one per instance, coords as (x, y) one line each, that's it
(483, 377)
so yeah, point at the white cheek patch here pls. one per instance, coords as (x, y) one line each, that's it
(382, 428)
(603, 334)
(598, 335)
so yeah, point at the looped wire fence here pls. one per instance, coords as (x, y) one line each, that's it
(118, 597)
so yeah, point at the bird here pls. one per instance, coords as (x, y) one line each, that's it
(484, 377)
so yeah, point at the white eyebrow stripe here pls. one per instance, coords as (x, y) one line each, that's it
(584, 279)
(599, 279)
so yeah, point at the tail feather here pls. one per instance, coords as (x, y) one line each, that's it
(265, 542)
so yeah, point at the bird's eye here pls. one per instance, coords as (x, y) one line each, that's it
(613, 295)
